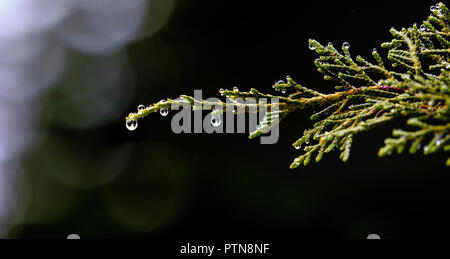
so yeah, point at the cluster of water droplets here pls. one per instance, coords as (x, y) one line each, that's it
(300, 146)
(306, 142)
(440, 140)
(221, 90)
(330, 44)
(436, 7)
(280, 82)
(133, 124)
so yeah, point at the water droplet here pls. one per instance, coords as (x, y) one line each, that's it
(131, 125)
(423, 28)
(141, 107)
(280, 82)
(273, 86)
(298, 147)
(330, 44)
(373, 236)
(374, 50)
(283, 91)
(425, 149)
(433, 8)
(438, 142)
(163, 111)
(215, 120)
(346, 45)
(235, 89)
(221, 91)
(73, 236)
(311, 47)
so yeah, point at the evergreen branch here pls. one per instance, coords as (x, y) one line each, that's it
(369, 95)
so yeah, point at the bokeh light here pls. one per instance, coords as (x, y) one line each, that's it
(64, 69)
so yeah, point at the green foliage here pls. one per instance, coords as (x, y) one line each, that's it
(415, 88)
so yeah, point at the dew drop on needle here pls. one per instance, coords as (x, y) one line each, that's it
(164, 111)
(215, 120)
(141, 107)
(131, 125)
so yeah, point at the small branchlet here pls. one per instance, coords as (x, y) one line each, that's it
(369, 94)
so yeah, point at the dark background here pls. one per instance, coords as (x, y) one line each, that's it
(216, 187)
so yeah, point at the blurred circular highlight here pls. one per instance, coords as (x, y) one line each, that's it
(152, 192)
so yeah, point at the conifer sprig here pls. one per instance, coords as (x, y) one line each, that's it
(413, 87)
